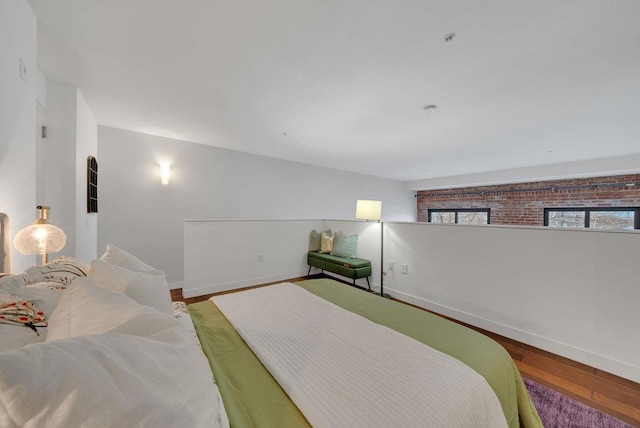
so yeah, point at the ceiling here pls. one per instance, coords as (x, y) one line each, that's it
(342, 84)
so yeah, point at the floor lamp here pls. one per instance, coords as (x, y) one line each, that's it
(372, 211)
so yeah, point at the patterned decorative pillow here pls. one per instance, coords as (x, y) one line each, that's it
(344, 246)
(326, 242)
(20, 312)
(315, 239)
(59, 273)
(43, 295)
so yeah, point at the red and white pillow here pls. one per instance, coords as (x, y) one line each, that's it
(15, 311)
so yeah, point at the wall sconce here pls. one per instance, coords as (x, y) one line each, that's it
(40, 237)
(165, 173)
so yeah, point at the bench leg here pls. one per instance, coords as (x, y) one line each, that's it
(368, 285)
(309, 273)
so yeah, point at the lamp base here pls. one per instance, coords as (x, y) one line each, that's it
(385, 295)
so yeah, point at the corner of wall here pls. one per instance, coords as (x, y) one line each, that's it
(18, 119)
(86, 144)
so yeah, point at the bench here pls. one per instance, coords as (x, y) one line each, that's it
(351, 268)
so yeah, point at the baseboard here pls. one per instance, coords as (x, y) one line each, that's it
(217, 288)
(584, 356)
(175, 285)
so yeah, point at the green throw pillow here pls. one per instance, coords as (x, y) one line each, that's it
(314, 239)
(344, 246)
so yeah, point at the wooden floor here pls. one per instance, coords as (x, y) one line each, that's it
(609, 393)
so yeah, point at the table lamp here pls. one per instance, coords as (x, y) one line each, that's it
(40, 237)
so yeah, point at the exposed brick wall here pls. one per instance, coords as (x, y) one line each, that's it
(524, 203)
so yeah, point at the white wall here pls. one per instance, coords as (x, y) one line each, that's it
(17, 120)
(572, 292)
(86, 144)
(72, 136)
(146, 218)
(58, 161)
(222, 255)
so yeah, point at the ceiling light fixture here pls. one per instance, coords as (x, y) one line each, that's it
(449, 37)
(430, 107)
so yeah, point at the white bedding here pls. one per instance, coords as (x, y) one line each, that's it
(108, 362)
(46, 299)
(14, 337)
(17, 336)
(341, 369)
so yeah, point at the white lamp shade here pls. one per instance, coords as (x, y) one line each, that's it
(40, 239)
(368, 210)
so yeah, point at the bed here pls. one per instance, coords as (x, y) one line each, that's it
(253, 397)
(100, 344)
(106, 347)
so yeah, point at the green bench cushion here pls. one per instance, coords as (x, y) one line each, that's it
(351, 268)
(352, 263)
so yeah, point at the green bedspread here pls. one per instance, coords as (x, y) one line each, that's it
(253, 398)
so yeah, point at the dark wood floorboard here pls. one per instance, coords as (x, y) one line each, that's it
(604, 391)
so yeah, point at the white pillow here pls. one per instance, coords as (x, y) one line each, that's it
(118, 257)
(88, 308)
(145, 288)
(44, 297)
(111, 380)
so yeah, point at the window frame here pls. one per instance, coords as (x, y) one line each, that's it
(459, 210)
(587, 215)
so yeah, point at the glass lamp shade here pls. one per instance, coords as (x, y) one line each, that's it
(368, 210)
(40, 239)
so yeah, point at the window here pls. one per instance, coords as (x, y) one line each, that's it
(460, 216)
(92, 185)
(594, 218)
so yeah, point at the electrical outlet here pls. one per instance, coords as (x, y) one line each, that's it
(260, 258)
(390, 265)
(405, 269)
